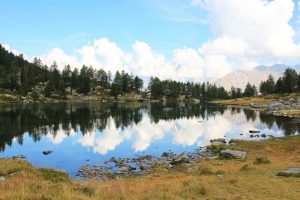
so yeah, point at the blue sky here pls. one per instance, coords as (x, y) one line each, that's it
(36, 26)
(184, 39)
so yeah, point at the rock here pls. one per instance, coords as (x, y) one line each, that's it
(263, 135)
(113, 159)
(218, 140)
(228, 153)
(19, 157)
(2, 178)
(167, 154)
(217, 143)
(47, 152)
(290, 172)
(181, 158)
(125, 170)
(254, 131)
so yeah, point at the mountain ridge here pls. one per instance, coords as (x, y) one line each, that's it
(240, 78)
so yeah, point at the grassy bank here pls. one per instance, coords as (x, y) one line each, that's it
(264, 100)
(252, 178)
(258, 100)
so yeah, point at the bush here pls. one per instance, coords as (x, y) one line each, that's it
(261, 160)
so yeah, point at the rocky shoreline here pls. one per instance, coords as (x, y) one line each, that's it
(141, 165)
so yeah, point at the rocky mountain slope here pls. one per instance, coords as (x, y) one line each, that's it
(240, 78)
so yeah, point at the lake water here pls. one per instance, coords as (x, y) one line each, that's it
(77, 132)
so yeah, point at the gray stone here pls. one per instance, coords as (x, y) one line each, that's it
(181, 158)
(217, 143)
(228, 153)
(294, 172)
(47, 152)
(2, 178)
(218, 140)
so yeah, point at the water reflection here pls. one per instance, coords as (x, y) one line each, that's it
(105, 126)
(77, 131)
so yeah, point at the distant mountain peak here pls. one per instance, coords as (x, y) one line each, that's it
(240, 78)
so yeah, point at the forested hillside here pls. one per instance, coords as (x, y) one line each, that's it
(19, 76)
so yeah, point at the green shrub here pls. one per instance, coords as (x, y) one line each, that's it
(261, 160)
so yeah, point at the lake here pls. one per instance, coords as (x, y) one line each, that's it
(91, 132)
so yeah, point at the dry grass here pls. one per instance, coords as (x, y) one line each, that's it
(258, 100)
(238, 180)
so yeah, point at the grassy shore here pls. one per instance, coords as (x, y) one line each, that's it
(263, 100)
(252, 178)
(257, 100)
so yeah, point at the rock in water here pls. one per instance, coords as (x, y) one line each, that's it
(47, 152)
(254, 131)
(235, 154)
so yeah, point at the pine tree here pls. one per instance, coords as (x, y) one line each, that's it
(290, 78)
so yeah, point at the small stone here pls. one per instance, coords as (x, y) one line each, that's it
(47, 152)
(218, 140)
(2, 178)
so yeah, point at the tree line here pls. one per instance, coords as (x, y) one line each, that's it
(288, 83)
(23, 77)
(20, 76)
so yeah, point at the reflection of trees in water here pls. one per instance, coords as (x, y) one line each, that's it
(39, 120)
(250, 115)
(286, 124)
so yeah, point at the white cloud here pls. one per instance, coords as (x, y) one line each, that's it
(252, 29)
(245, 33)
(60, 57)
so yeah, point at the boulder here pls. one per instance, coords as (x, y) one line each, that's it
(232, 154)
(123, 170)
(181, 158)
(167, 154)
(290, 172)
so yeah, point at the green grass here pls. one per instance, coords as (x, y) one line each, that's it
(54, 175)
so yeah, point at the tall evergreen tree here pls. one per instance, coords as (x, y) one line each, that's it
(290, 78)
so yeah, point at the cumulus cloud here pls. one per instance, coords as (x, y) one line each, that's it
(251, 29)
(244, 34)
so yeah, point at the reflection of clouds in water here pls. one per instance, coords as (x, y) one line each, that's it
(59, 135)
(184, 132)
(146, 132)
(105, 141)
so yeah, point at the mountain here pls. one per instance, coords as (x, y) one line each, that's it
(240, 78)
